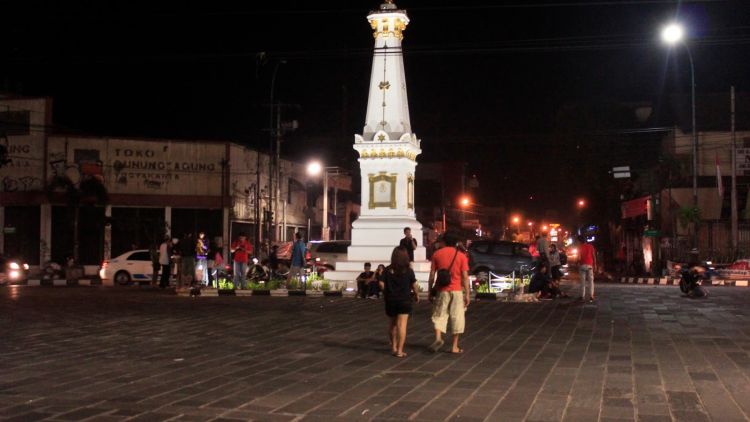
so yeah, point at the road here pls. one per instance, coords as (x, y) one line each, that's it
(639, 353)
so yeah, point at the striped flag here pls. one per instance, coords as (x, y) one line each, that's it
(719, 184)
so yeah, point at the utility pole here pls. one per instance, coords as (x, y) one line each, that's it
(734, 178)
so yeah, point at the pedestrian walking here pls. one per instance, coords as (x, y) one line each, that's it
(399, 289)
(587, 266)
(449, 293)
(363, 281)
(201, 257)
(297, 264)
(241, 250)
(409, 243)
(165, 260)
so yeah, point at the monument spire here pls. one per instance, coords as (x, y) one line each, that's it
(388, 106)
(388, 153)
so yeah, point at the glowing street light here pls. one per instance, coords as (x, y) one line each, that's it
(465, 201)
(516, 220)
(314, 168)
(673, 34)
(581, 203)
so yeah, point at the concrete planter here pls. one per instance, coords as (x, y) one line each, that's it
(314, 293)
(243, 292)
(279, 293)
(261, 292)
(297, 293)
(336, 293)
(209, 292)
(349, 293)
(226, 292)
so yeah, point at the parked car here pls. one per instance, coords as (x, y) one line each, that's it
(130, 266)
(499, 257)
(324, 255)
(13, 270)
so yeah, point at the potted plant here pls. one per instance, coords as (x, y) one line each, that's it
(330, 290)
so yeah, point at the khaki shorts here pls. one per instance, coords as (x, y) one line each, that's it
(449, 306)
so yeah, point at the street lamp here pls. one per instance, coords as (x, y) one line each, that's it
(517, 222)
(465, 201)
(581, 203)
(673, 34)
(315, 168)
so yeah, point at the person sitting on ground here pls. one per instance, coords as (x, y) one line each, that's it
(374, 286)
(363, 280)
(540, 282)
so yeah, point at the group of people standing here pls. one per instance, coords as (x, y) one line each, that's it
(545, 282)
(197, 260)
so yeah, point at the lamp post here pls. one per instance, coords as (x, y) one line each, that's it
(273, 154)
(315, 168)
(673, 34)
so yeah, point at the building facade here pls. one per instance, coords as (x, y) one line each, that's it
(151, 188)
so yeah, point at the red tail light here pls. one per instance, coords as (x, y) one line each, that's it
(105, 263)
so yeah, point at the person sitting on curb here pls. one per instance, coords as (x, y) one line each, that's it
(363, 281)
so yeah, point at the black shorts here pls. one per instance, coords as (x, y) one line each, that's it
(394, 308)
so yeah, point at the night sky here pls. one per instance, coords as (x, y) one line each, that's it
(487, 80)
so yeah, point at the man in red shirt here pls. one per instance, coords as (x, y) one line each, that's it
(451, 301)
(587, 266)
(241, 249)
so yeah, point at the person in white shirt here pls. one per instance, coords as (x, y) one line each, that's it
(165, 259)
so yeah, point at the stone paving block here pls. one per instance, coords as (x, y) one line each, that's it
(613, 356)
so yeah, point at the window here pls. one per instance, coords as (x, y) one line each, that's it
(15, 123)
(140, 256)
(521, 250)
(502, 249)
(480, 247)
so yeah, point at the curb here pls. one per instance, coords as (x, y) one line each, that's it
(60, 283)
(668, 281)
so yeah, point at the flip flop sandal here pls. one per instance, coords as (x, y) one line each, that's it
(460, 351)
(399, 355)
(436, 345)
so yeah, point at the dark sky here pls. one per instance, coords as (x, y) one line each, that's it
(486, 79)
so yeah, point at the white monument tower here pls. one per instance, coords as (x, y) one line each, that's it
(388, 153)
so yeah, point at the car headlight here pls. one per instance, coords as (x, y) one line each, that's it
(26, 267)
(14, 266)
(14, 275)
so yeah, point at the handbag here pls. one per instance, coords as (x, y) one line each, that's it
(443, 276)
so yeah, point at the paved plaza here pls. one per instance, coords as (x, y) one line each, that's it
(640, 353)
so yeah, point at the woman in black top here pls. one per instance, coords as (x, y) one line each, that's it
(398, 284)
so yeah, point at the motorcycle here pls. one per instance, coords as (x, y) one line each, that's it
(691, 281)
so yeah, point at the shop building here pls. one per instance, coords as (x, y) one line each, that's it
(150, 187)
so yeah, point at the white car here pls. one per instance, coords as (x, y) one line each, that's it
(130, 266)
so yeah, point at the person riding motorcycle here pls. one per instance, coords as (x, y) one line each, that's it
(691, 279)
